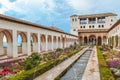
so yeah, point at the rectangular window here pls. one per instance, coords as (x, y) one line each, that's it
(83, 21)
(72, 19)
(101, 20)
(92, 21)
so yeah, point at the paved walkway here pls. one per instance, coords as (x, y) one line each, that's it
(57, 70)
(92, 69)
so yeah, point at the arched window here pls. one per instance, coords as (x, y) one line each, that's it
(19, 39)
(4, 41)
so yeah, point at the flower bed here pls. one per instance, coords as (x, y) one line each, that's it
(47, 61)
(113, 61)
(105, 72)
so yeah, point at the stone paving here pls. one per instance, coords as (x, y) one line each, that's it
(57, 70)
(92, 69)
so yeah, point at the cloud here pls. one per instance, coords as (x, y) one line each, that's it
(80, 5)
(57, 12)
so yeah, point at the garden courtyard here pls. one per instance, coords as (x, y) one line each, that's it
(102, 61)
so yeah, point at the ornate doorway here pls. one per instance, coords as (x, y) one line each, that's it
(92, 39)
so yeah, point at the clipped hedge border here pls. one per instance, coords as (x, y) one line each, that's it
(105, 72)
(31, 74)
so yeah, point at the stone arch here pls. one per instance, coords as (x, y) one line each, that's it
(63, 42)
(23, 47)
(104, 39)
(99, 40)
(92, 39)
(85, 40)
(8, 48)
(54, 42)
(67, 41)
(49, 42)
(59, 42)
(81, 40)
(34, 42)
(43, 42)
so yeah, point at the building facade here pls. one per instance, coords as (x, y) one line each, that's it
(93, 28)
(114, 35)
(44, 38)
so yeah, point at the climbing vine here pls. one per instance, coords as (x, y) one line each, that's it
(112, 41)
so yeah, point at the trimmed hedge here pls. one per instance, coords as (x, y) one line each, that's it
(31, 74)
(105, 72)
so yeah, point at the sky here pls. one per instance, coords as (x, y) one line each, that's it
(56, 12)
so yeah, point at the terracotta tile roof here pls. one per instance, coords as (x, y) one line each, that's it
(55, 28)
(8, 18)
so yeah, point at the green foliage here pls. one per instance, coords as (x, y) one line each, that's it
(109, 41)
(116, 40)
(112, 40)
(31, 42)
(59, 50)
(30, 74)
(32, 61)
(113, 52)
(105, 72)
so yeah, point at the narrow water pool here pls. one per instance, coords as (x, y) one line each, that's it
(77, 70)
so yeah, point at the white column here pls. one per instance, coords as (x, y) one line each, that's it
(65, 42)
(61, 42)
(96, 20)
(1, 44)
(52, 42)
(14, 49)
(39, 41)
(87, 21)
(46, 42)
(28, 44)
(56, 42)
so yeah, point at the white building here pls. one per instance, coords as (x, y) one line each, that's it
(92, 21)
(44, 38)
(114, 35)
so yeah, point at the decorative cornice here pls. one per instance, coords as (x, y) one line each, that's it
(92, 30)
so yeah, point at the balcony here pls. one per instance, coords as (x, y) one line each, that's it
(101, 21)
(92, 22)
(83, 22)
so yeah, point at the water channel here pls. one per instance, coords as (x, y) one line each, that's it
(77, 70)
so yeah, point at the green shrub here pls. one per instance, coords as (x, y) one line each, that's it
(116, 40)
(38, 70)
(31, 61)
(105, 72)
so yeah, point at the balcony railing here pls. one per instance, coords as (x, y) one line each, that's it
(101, 21)
(83, 22)
(92, 22)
